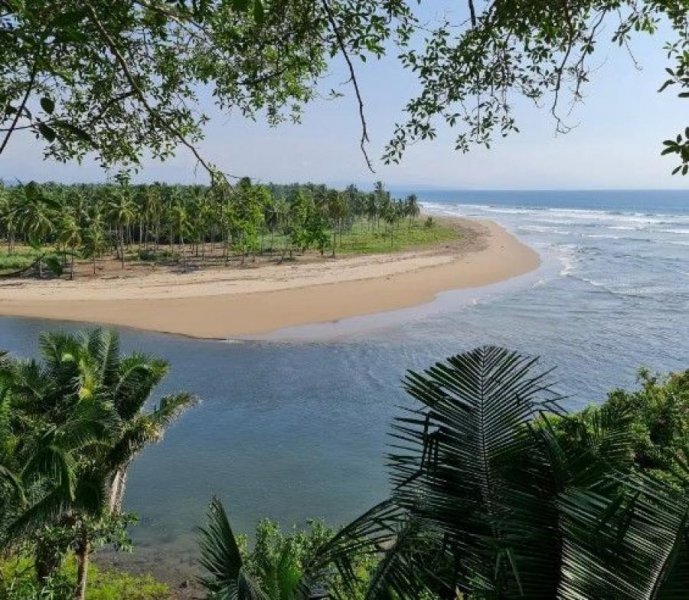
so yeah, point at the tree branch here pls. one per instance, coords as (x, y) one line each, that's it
(141, 95)
(12, 127)
(353, 80)
(472, 13)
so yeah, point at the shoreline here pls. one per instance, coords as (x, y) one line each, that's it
(227, 303)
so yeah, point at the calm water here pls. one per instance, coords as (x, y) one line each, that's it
(296, 429)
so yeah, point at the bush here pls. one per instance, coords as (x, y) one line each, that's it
(18, 582)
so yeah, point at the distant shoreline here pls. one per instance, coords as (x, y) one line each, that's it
(226, 303)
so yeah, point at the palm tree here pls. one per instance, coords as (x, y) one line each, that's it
(121, 212)
(412, 208)
(69, 234)
(36, 215)
(337, 208)
(9, 217)
(94, 241)
(180, 219)
(488, 503)
(90, 401)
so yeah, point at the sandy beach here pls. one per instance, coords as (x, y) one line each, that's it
(224, 303)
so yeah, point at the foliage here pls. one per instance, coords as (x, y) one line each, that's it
(122, 80)
(18, 260)
(488, 502)
(274, 567)
(657, 420)
(71, 425)
(18, 582)
(164, 223)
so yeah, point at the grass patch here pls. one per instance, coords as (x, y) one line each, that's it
(19, 259)
(18, 582)
(361, 240)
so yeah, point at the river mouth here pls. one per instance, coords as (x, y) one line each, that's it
(295, 426)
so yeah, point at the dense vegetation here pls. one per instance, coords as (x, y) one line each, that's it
(122, 79)
(210, 225)
(70, 426)
(497, 491)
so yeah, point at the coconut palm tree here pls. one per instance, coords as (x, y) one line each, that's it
(69, 234)
(489, 501)
(9, 217)
(121, 212)
(412, 208)
(88, 403)
(36, 216)
(94, 241)
(179, 218)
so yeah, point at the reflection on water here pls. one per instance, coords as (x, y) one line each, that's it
(294, 427)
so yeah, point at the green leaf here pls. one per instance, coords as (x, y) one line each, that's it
(75, 131)
(240, 5)
(47, 132)
(47, 105)
(259, 13)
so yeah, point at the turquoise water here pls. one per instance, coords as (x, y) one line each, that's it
(295, 427)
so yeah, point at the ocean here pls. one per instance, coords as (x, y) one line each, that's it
(294, 426)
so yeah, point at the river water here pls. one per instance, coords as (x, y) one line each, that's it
(294, 426)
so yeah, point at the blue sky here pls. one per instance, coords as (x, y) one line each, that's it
(616, 144)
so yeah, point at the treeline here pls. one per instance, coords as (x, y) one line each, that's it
(91, 221)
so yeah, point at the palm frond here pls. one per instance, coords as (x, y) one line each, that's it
(52, 463)
(12, 480)
(622, 541)
(137, 375)
(43, 512)
(220, 556)
(371, 533)
(170, 408)
(468, 463)
(104, 346)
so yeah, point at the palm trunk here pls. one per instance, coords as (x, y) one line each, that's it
(71, 267)
(117, 488)
(82, 555)
(122, 246)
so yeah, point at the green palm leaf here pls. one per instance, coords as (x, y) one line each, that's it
(623, 540)
(220, 557)
(468, 464)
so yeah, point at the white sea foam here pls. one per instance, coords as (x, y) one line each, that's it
(675, 231)
(543, 229)
(567, 254)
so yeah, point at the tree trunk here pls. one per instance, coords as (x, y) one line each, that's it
(117, 489)
(82, 555)
(122, 246)
(71, 267)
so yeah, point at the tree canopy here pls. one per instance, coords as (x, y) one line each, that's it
(123, 79)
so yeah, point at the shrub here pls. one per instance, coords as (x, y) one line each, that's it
(18, 582)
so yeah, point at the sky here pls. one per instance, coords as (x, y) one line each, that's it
(616, 143)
